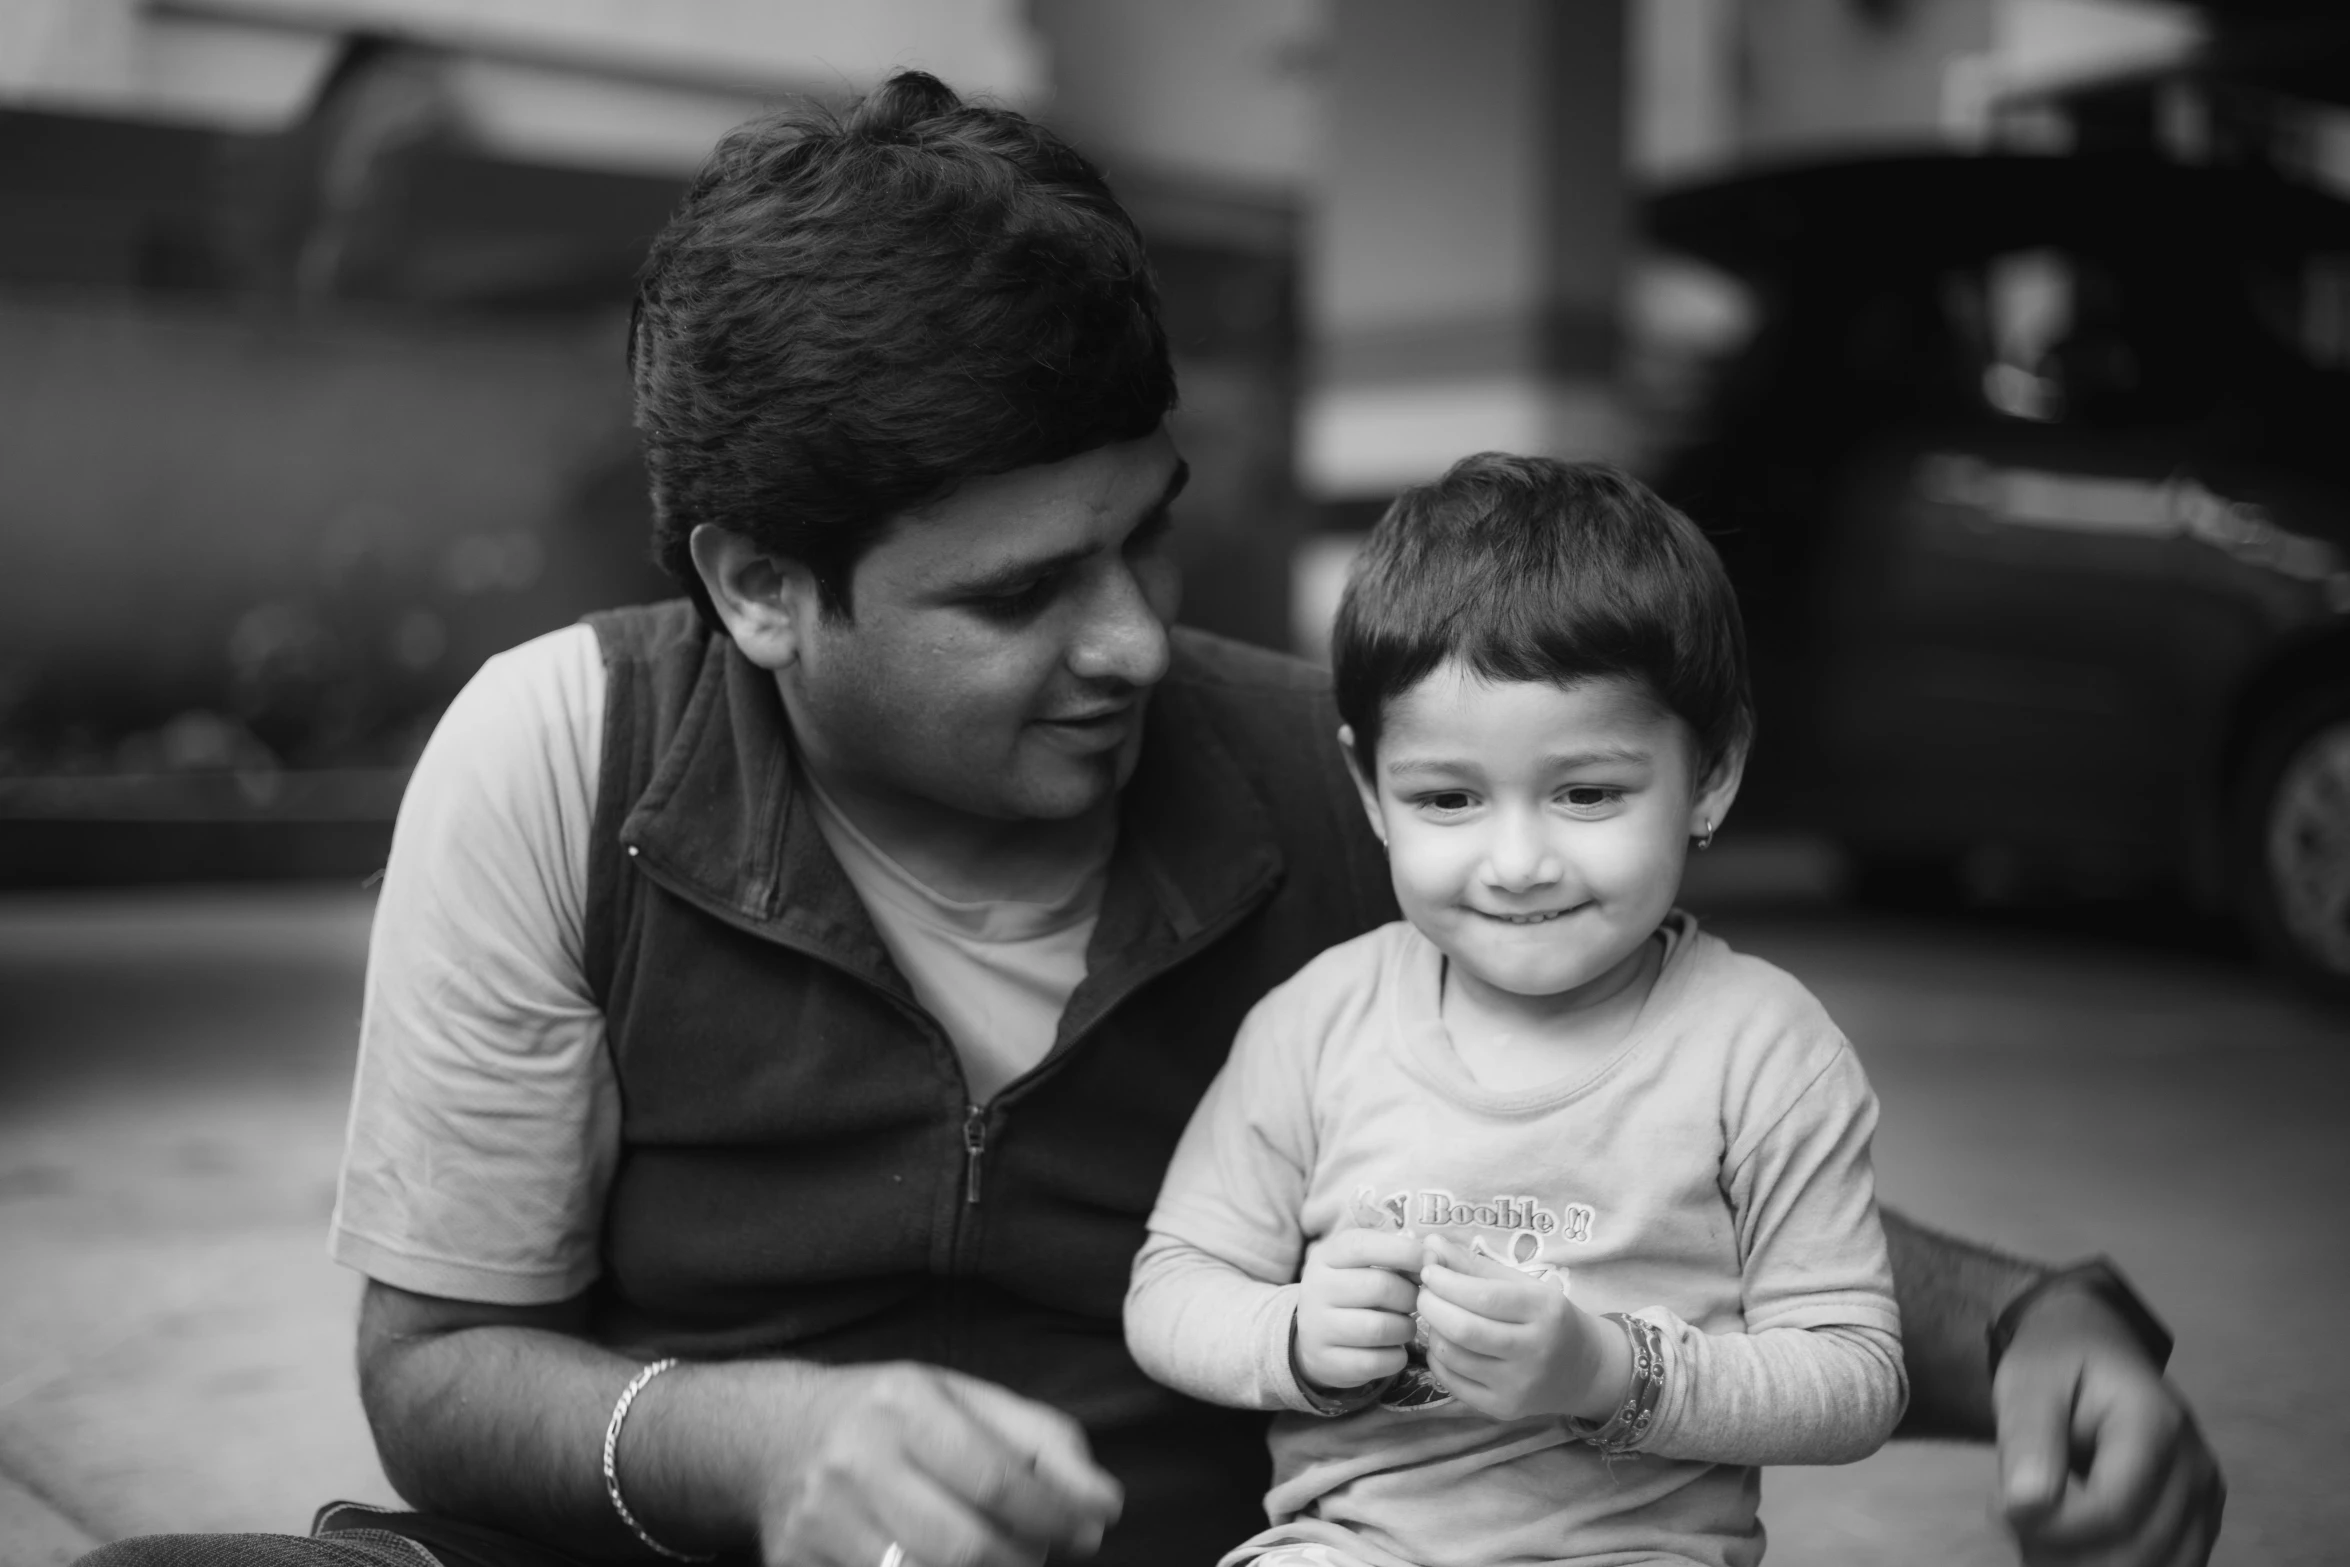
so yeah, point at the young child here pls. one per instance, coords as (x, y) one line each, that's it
(1541, 1217)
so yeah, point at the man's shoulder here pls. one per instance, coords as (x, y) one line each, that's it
(642, 633)
(1242, 671)
(1271, 718)
(1270, 703)
(1271, 712)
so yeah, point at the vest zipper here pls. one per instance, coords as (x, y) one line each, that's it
(974, 1145)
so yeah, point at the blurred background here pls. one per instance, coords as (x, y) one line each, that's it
(2003, 346)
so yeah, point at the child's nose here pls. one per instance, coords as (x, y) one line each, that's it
(1521, 855)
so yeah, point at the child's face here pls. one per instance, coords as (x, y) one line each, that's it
(1537, 832)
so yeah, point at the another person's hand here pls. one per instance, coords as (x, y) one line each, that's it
(948, 1468)
(2100, 1461)
(1509, 1345)
(1354, 1308)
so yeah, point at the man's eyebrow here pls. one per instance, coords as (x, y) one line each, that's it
(1013, 575)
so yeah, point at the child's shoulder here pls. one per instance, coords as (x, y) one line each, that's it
(1750, 1001)
(1341, 984)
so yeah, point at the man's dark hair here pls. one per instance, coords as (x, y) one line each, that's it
(1526, 568)
(853, 313)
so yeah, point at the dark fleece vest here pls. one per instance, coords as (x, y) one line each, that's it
(801, 1172)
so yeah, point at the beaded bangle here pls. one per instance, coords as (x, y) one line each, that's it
(1624, 1430)
(636, 1385)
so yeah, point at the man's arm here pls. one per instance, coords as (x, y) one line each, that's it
(2099, 1457)
(1949, 1291)
(497, 1414)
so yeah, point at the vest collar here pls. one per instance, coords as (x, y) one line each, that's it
(726, 824)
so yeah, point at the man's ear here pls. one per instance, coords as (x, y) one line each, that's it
(1364, 789)
(766, 603)
(1717, 792)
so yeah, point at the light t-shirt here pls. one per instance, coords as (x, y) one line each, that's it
(1712, 1177)
(485, 1116)
(996, 974)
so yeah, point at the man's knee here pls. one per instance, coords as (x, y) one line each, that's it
(350, 1548)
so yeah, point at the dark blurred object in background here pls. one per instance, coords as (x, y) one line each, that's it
(2033, 478)
(299, 426)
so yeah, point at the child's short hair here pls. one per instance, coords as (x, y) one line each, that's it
(1527, 568)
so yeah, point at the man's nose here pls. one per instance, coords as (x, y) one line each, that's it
(1124, 637)
(1519, 854)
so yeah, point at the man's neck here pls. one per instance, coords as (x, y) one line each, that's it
(974, 859)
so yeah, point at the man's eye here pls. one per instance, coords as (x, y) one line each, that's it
(1016, 605)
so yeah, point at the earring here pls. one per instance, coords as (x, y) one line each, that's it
(1705, 833)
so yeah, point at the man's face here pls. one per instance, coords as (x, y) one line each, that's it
(1002, 643)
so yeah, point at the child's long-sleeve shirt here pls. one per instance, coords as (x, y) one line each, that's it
(1712, 1177)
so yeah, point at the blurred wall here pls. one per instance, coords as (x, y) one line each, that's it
(304, 529)
(311, 391)
(1207, 119)
(1466, 245)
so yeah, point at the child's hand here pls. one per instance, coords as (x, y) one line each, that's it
(1354, 1308)
(1511, 1346)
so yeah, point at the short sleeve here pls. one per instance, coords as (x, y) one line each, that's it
(485, 1115)
(1239, 1176)
(1804, 1195)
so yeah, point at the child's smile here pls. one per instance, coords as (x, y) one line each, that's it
(1536, 831)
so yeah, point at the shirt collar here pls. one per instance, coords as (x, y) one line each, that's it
(727, 825)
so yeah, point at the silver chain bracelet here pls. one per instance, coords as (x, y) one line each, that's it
(636, 1385)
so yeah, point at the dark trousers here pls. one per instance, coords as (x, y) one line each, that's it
(345, 1534)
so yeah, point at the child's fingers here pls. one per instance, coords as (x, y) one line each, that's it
(1372, 1289)
(1450, 1253)
(1466, 1376)
(1348, 1328)
(1392, 1249)
(1463, 1327)
(1508, 1299)
(1337, 1368)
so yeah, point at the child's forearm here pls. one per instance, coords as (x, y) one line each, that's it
(1826, 1395)
(1204, 1327)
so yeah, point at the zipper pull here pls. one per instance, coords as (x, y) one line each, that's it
(974, 1144)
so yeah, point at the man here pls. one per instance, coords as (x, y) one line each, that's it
(783, 1004)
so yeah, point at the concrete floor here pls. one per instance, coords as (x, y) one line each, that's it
(174, 1346)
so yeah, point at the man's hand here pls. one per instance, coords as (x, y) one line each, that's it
(1354, 1308)
(2100, 1461)
(951, 1469)
(1509, 1346)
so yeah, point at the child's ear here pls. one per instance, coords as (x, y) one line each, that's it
(1717, 792)
(1363, 787)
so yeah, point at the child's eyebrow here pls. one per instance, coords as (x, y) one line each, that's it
(1597, 756)
(1449, 767)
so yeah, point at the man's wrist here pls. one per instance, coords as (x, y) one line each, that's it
(2095, 1281)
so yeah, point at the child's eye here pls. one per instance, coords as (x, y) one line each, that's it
(1589, 797)
(1446, 802)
